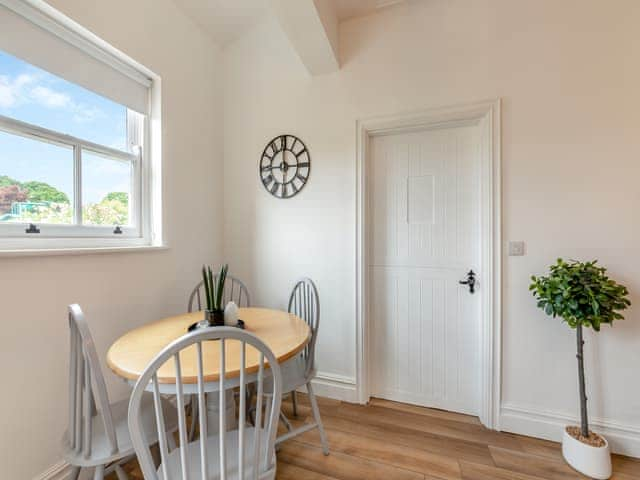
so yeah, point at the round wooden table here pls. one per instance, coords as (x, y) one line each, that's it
(284, 333)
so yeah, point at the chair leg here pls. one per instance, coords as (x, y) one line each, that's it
(247, 402)
(252, 416)
(286, 421)
(171, 441)
(121, 474)
(98, 474)
(267, 412)
(294, 401)
(318, 420)
(194, 418)
(75, 473)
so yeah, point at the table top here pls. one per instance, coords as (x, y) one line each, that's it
(284, 333)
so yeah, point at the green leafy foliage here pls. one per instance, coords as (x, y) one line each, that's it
(36, 191)
(580, 293)
(122, 197)
(6, 181)
(107, 212)
(55, 213)
(43, 192)
(214, 287)
(55, 205)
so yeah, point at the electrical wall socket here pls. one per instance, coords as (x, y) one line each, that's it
(516, 248)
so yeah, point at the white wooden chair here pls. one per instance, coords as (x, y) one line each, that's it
(247, 453)
(234, 291)
(98, 435)
(300, 370)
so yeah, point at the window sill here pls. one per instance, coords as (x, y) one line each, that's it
(47, 252)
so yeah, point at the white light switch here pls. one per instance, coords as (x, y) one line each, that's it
(516, 249)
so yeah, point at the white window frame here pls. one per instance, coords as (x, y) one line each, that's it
(145, 230)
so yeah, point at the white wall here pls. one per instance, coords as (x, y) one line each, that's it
(568, 73)
(117, 291)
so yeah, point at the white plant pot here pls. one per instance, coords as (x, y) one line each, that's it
(594, 462)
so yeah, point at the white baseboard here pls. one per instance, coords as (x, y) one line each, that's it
(624, 439)
(59, 471)
(334, 386)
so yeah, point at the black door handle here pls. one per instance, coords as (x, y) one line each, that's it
(471, 281)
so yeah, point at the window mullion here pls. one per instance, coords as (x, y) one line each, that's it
(77, 184)
(135, 203)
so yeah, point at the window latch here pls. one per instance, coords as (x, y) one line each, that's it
(32, 229)
(117, 230)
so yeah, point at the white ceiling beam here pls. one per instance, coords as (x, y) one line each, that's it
(312, 28)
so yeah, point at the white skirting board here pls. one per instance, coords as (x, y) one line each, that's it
(59, 471)
(624, 439)
(333, 386)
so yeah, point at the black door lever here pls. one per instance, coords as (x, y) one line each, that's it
(471, 281)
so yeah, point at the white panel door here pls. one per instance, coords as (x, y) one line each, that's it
(424, 237)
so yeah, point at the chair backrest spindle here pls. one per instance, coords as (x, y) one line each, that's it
(182, 421)
(222, 424)
(79, 389)
(88, 414)
(242, 412)
(162, 438)
(305, 303)
(256, 437)
(202, 413)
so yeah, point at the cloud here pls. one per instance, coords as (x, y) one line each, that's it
(50, 98)
(7, 96)
(24, 88)
(85, 114)
(12, 90)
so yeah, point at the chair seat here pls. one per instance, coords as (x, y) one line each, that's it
(100, 447)
(192, 455)
(293, 375)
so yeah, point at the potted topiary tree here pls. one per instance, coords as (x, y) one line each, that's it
(583, 296)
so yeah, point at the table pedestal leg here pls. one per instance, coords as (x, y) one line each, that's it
(213, 412)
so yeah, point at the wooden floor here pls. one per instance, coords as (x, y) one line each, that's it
(394, 441)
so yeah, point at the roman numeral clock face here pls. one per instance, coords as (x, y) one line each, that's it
(285, 166)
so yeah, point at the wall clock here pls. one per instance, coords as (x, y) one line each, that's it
(285, 166)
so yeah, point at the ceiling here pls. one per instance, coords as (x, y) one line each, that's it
(226, 20)
(346, 9)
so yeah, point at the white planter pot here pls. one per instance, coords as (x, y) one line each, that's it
(594, 462)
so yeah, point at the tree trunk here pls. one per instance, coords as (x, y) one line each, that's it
(584, 423)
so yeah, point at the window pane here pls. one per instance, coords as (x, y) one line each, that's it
(106, 190)
(36, 181)
(32, 95)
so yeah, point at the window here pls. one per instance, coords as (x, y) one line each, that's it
(75, 156)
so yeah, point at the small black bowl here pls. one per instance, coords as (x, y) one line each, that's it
(199, 325)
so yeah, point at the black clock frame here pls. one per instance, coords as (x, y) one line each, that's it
(289, 187)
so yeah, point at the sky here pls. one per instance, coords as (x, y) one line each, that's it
(30, 94)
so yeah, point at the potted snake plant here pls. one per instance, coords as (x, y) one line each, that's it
(583, 296)
(213, 290)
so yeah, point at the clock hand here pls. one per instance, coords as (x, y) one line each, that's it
(284, 166)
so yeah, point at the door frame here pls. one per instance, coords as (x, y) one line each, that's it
(486, 114)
